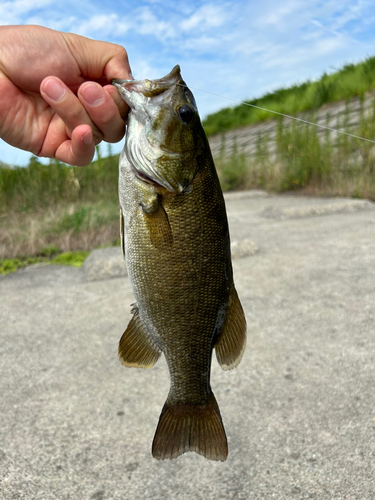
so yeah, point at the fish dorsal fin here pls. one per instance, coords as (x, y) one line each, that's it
(232, 341)
(136, 349)
(122, 232)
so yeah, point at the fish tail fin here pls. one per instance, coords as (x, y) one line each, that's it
(191, 427)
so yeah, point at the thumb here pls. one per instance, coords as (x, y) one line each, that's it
(99, 60)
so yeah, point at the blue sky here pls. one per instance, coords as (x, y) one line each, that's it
(238, 49)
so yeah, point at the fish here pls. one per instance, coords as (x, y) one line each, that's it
(175, 238)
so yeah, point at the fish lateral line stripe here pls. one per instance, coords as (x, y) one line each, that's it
(280, 114)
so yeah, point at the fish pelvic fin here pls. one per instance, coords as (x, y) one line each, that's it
(232, 341)
(136, 349)
(185, 427)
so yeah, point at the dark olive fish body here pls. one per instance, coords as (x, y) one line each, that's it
(177, 249)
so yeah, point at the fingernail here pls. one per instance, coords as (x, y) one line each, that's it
(54, 90)
(92, 95)
(87, 138)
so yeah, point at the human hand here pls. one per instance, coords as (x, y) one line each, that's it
(56, 99)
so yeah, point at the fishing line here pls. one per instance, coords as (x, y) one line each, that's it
(280, 114)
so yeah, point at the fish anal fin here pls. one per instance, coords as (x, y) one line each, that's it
(184, 428)
(136, 349)
(232, 341)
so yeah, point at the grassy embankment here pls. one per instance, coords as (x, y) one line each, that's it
(57, 213)
(308, 161)
(341, 166)
(46, 210)
(350, 81)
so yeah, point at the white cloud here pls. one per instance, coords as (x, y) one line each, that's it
(350, 14)
(55, 23)
(16, 10)
(147, 23)
(329, 45)
(201, 44)
(145, 69)
(101, 26)
(317, 23)
(207, 16)
(279, 11)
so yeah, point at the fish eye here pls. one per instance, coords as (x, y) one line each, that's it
(185, 113)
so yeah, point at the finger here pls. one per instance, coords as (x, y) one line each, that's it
(102, 111)
(98, 59)
(80, 149)
(118, 65)
(119, 101)
(67, 106)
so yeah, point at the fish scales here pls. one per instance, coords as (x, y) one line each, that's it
(177, 250)
(183, 285)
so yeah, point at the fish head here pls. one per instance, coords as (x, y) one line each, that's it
(164, 133)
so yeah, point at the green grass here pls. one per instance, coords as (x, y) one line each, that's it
(75, 259)
(41, 185)
(70, 208)
(346, 83)
(65, 227)
(232, 171)
(308, 162)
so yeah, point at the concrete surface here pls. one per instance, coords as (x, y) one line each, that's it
(299, 411)
(104, 263)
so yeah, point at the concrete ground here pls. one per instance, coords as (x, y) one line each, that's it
(299, 410)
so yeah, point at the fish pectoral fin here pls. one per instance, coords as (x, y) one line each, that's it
(188, 427)
(232, 341)
(159, 229)
(150, 203)
(136, 348)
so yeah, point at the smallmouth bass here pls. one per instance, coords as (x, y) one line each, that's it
(176, 243)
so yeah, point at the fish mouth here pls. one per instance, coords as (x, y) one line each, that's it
(147, 88)
(137, 93)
